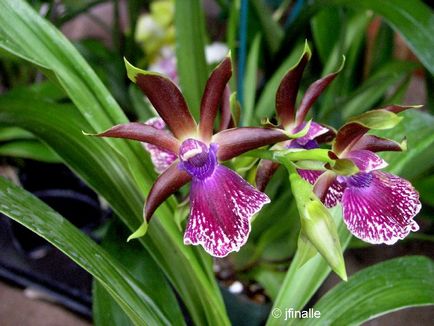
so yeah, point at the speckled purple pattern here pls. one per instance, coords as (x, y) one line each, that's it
(160, 157)
(366, 161)
(221, 202)
(380, 208)
(221, 207)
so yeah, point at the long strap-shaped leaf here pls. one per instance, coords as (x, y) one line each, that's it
(26, 209)
(377, 290)
(25, 34)
(101, 167)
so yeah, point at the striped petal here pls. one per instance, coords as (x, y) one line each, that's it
(379, 207)
(160, 157)
(366, 161)
(221, 207)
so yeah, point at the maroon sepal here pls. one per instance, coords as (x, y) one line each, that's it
(286, 95)
(144, 133)
(166, 184)
(169, 103)
(212, 97)
(349, 134)
(226, 120)
(377, 144)
(311, 95)
(265, 171)
(236, 141)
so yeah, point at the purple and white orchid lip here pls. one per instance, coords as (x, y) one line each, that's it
(221, 207)
(379, 207)
(221, 202)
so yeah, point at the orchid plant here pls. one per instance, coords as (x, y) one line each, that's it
(219, 207)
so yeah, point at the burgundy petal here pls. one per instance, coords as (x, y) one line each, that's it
(366, 161)
(144, 133)
(311, 95)
(221, 207)
(169, 103)
(381, 210)
(235, 141)
(348, 135)
(226, 120)
(212, 97)
(286, 95)
(161, 158)
(166, 184)
(377, 144)
(265, 171)
(333, 194)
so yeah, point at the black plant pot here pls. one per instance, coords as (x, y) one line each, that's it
(28, 260)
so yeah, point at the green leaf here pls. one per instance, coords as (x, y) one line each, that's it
(14, 133)
(418, 127)
(326, 21)
(273, 33)
(425, 187)
(375, 87)
(412, 19)
(41, 219)
(377, 290)
(31, 149)
(27, 35)
(270, 279)
(250, 80)
(190, 47)
(146, 273)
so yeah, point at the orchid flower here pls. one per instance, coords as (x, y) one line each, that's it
(221, 202)
(305, 135)
(378, 207)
